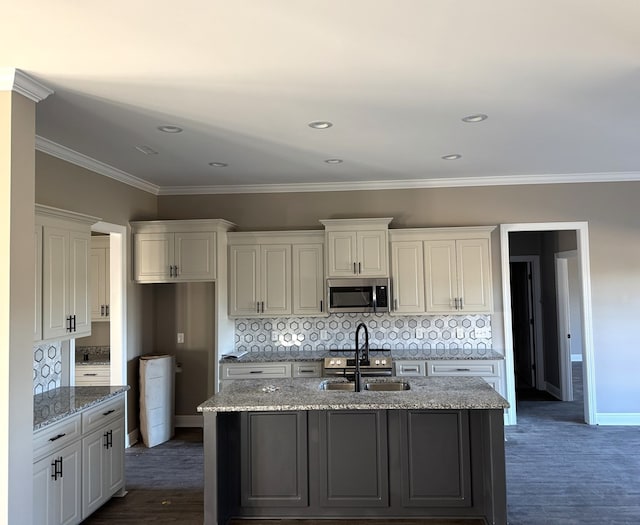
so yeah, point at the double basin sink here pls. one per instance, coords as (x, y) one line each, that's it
(389, 386)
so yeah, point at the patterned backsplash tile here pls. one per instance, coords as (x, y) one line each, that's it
(47, 366)
(337, 331)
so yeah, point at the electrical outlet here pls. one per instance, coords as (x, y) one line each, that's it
(459, 333)
(324, 335)
(419, 333)
(180, 338)
(482, 332)
(274, 336)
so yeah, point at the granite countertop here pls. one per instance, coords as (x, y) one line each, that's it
(429, 393)
(93, 361)
(95, 355)
(53, 405)
(397, 355)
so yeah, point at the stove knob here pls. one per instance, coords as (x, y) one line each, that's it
(332, 362)
(377, 361)
(384, 361)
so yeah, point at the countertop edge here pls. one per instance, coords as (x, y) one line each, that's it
(91, 400)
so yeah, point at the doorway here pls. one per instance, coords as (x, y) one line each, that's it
(582, 260)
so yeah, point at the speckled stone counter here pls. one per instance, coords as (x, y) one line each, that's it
(429, 393)
(59, 403)
(397, 355)
(93, 355)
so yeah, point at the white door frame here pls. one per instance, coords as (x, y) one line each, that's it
(582, 236)
(534, 260)
(117, 304)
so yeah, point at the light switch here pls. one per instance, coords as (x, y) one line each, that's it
(274, 336)
(180, 338)
(459, 333)
(419, 333)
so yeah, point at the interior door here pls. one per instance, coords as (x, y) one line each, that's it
(522, 324)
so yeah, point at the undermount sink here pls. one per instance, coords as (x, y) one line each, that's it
(349, 387)
(389, 386)
(395, 386)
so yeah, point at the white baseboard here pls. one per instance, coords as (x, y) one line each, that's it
(132, 438)
(623, 419)
(189, 421)
(576, 358)
(554, 391)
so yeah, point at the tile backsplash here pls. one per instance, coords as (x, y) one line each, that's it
(47, 366)
(337, 331)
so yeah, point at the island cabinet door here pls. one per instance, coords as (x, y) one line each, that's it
(274, 466)
(354, 468)
(434, 458)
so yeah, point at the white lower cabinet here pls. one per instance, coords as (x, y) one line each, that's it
(102, 466)
(56, 487)
(78, 464)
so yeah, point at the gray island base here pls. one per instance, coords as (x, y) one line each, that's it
(288, 449)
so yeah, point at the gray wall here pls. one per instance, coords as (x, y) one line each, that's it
(609, 208)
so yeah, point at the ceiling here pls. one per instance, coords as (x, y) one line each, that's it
(559, 81)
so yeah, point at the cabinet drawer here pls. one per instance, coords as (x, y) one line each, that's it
(312, 369)
(97, 416)
(93, 375)
(463, 368)
(256, 371)
(55, 436)
(410, 368)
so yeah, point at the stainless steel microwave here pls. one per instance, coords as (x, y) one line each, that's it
(358, 295)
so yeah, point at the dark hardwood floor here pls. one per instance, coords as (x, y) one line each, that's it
(560, 471)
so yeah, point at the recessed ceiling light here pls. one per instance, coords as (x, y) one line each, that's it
(170, 129)
(147, 150)
(333, 161)
(320, 124)
(453, 156)
(218, 164)
(478, 117)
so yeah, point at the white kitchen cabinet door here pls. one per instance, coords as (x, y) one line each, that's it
(373, 256)
(37, 327)
(57, 497)
(55, 283)
(342, 254)
(275, 279)
(99, 278)
(408, 276)
(79, 288)
(474, 276)
(244, 269)
(308, 279)
(441, 285)
(194, 256)
(153, 256)
(102, 465)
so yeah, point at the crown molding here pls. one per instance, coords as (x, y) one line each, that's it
(508, 180)
(79, 159)
(12, 79)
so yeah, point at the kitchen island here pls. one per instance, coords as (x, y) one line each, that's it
(290, 449)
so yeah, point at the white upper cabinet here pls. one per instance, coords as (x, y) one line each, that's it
(99, 278)
(66, 310)
(274, 274)
(458, 276)
(452, 275)
(177, 251)
(357, 247)
(408, 276)
(260, 281)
